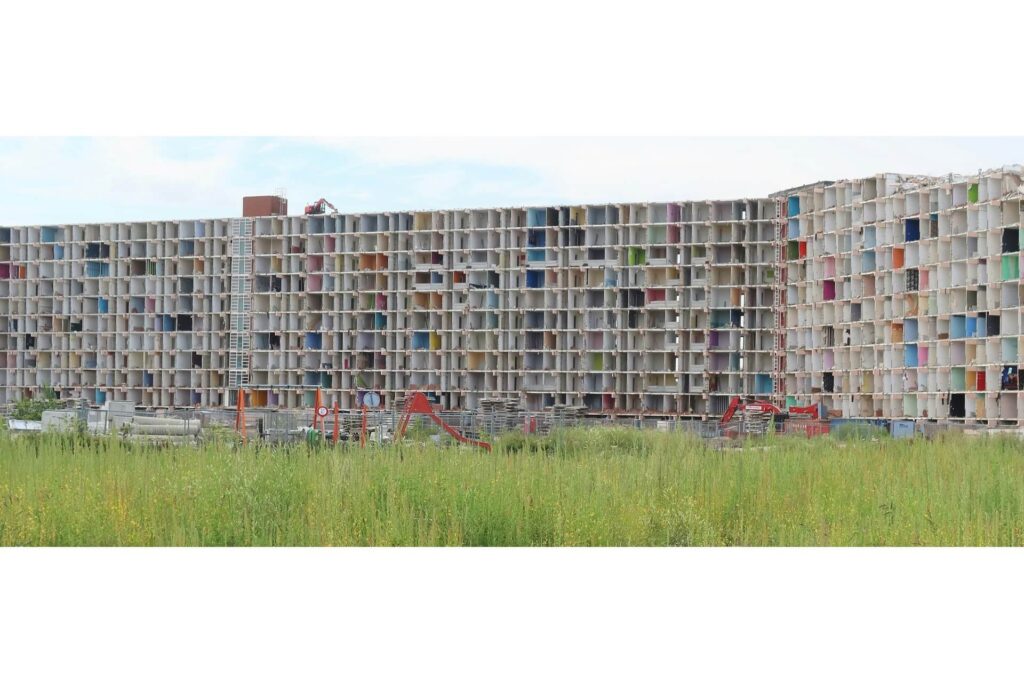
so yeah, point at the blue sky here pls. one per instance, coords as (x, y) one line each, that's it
(53, 180)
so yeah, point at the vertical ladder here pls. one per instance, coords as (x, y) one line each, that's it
(240, 334)
(779, 306)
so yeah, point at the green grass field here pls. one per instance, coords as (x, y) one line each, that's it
(598, 487)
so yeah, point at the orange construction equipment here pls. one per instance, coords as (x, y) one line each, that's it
(240, 415)
(752, 408)
(318, 207)
(810, 412)
(317, 403)
(766, 408)
(336, 426)
(417, 404)
(758, 417)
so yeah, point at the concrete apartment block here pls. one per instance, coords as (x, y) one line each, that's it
(892, 296)
(903, 296)
(124, 311)
(619, 308)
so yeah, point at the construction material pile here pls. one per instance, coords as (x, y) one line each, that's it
(499, 415)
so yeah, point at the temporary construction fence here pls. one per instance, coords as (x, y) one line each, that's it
(806, 427)
(488, 422)
(380, 425)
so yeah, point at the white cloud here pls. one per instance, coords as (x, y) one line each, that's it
(438, 183)
(621, 169)
(139, 166)
(54, 178)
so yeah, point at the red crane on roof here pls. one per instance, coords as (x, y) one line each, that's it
(319, 206)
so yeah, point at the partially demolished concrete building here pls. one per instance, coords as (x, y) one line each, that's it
(886, 297)
(903, 296)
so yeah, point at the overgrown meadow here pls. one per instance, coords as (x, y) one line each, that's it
(595, 487)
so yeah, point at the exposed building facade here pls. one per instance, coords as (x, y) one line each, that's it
(891, 296)
(903, 296)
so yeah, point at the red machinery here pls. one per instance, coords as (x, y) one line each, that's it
(417, 404)
(749, 409)
(319, 206)
(755, 408)
(240, 415)
(756, 416)
(810, 412)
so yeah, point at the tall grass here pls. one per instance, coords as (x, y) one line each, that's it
(575, 488)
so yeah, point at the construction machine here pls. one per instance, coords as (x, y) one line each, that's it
(418, 404)
(320, 206)
(748, 409)
(757, 415)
